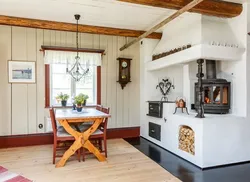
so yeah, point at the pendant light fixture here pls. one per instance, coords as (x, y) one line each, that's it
(77, 71)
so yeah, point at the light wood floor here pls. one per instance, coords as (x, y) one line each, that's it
(125, 164)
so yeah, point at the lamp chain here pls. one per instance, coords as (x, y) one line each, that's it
(77, 46)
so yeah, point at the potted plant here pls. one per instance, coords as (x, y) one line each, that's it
(63, 98)
(79, 100)
(84, 97)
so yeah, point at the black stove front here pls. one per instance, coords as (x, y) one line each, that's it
(216, 92)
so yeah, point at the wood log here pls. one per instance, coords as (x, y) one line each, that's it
(186, 140)
(208, 7)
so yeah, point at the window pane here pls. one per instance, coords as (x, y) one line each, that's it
(88, 80)
(61, 81)
(225, 95)
(216, 94)
(207, 95)
(88, 85)
(89, 92)
(82, 84)
(59, 68)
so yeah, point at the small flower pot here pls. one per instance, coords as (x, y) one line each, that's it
(79, 109)
(74, 107)
(64, 103)
(84, 103)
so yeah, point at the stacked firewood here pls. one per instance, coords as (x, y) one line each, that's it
(186, 140)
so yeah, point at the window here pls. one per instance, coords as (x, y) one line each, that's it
(62, 82)
(57, 80)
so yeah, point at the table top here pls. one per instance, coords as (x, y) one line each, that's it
(87, 113)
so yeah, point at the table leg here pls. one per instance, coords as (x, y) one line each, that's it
(88, 145)
(76, 145)
(69, 129)
(81, 140)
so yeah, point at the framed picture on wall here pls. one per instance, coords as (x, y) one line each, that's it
(22, 71)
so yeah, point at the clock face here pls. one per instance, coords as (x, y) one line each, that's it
(124, 64)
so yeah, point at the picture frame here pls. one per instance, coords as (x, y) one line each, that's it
(21, 71)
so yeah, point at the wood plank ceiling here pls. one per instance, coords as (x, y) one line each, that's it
(98, 14)
(104, 13)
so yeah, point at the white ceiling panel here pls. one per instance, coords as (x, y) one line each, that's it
(109, 13)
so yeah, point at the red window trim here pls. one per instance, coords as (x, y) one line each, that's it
(47, 85)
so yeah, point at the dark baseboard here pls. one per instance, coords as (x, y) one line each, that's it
(47, 138)
(26, 140)
(130, 132)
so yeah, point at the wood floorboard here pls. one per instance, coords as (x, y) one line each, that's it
(125, 163)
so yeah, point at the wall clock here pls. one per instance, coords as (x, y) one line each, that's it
(124, 71)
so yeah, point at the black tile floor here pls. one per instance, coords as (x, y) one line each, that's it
(188, 172)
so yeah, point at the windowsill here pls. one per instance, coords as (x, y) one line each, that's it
(70, 106)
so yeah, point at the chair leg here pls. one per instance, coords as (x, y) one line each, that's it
(54, 152)
(83, 154)
(100, 144)
(105, 146)
(79, 155)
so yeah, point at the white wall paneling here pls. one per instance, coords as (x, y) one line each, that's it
(5, 91)
(26, 101)
(40, 86)
(19, 91)
(31, 88)
(119, 94)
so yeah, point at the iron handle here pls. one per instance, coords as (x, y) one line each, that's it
(165, 119)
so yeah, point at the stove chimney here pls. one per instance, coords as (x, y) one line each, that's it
(211, 69)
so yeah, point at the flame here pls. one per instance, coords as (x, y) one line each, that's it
(207, 100)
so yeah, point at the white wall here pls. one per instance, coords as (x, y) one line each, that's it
(149, 81)
(236, 72)
(146, 49)
(22, 105)
(248, 60)
(180, 32)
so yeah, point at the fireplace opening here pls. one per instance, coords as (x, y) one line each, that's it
(216, 92)
(187, 139)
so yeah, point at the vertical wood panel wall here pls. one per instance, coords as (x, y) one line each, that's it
(22, 105)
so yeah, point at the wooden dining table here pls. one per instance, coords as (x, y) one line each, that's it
(68, 117)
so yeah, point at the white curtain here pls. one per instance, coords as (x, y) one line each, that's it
(52, 57)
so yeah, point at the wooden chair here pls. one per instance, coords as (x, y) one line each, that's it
(99, 107)
(60, 135)
(100, 134)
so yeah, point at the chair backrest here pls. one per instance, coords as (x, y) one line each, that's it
(105, 122)
(53, 120)
(105, 110)
(99, 107)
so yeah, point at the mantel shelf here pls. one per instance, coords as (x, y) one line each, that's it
(201, 51)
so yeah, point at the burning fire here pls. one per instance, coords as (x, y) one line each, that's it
(207, 100)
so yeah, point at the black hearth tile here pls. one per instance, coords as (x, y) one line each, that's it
(188, 172)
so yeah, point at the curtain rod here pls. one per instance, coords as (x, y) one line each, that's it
(71, 49)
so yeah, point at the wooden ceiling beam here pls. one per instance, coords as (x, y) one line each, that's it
(207, 7)
(61, 26)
